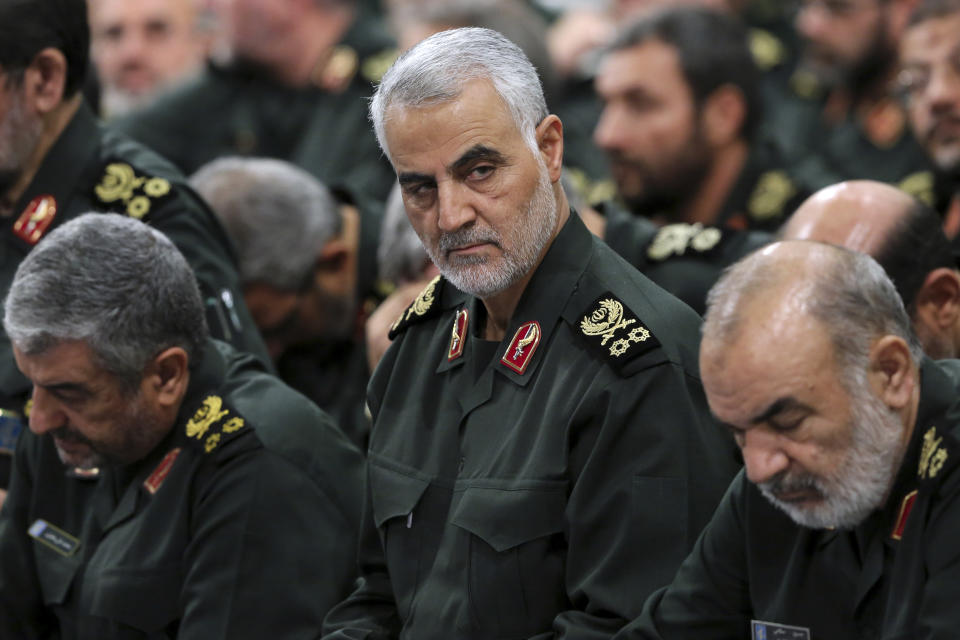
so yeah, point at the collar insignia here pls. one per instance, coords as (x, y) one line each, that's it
(458, 335)
(153, 483)
(903, 514)
(932, 455)
(521, 348)
(35, 219)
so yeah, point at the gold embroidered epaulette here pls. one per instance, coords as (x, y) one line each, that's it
(770, 197)
(615, 332)
(375, 66)
(676, 239)
(423, 307)
(920, 185)
(123, 189)
(214, 423)
(766, 49)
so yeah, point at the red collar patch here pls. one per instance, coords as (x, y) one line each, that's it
(458, 336)
(905, 508)
(153, 483)
(35, 219)
(521, 348)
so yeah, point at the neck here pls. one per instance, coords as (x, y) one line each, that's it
(309, 47)
(54, 123)
(706, 203)
(500, 306)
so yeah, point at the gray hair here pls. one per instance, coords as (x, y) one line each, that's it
(113, 283)
(277, 215)
(401, 257)
(436, 70)
(848, 292)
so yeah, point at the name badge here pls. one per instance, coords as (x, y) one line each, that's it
(760, 630)
(57, 539)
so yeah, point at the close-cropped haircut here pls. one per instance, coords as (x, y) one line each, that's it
(113, 283)
(713, 49)
(29, 26)
(436, 70)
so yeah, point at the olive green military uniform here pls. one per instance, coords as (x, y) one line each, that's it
(685, 259)
(541, 482)
(894, 576)
(242, 110)
(90, 168)
(240, 524)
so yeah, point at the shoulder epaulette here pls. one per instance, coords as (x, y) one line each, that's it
(920, 185)
(424, 306)
(615, 332)
(766, 49)
(123, 189)
(938, 453)
(214, 423)
(374, 66)
(677, 239)
(770, 197)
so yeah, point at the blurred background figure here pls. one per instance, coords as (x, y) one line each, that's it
(140, 49)
(307, 268)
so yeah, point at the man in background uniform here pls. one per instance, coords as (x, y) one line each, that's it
(294, 88)
(226, 505)
(57, 161)
(539, 452)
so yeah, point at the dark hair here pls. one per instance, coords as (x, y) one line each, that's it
(713, 48)
(930, 9)
(28, 26)
(915, 246)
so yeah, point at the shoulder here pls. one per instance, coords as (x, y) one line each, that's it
(428, 304)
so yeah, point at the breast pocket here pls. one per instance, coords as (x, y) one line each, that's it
(516, 556)
(140, 602)
(395, 497)
(56, 573)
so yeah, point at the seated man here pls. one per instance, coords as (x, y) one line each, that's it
(844, 522)
(167, 486)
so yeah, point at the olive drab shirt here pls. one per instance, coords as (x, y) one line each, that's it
(90, 168)
(896, 576)
(541, 482)
(240, 524)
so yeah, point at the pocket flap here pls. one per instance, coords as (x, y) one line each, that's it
(508, 517)
(394, 494)
(56, 575)
(145, 599)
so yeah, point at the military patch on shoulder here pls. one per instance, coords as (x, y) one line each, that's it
(933, 455)
(375, 66)
(123, 190)
(213, 423)
(766, 49)
(675, 239)
(423, 307)
(771, 195)
(920, 185)
(615, 331)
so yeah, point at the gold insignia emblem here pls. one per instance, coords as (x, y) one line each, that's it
(419, 306)
(212, 441)
(376, 65)
(766, 49)
(606, 320)
(233, 424)
(919, 185)
(770, 196)
(208, 413)
(932, 455)
(121, 183)
(674, 239)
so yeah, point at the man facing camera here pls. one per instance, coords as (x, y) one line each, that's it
(844, 521)
(167, 487)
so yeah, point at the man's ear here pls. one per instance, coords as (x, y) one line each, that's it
(45, 80)
(938, 301)
(723, 115)
(550, 141)
(891, 371)
(167, 376)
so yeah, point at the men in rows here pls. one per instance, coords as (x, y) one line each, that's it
(930, 82)
(226, 505)
(293, 88)
(57, 161)
(540, 452)
(845, 519)
(905, 237)
(307, 266)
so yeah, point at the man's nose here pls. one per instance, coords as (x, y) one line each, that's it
(45, 412)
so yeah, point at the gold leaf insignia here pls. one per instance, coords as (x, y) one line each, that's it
(233, 424)
(118, 183)
(674, 239)
(605, 320)
(376, 65)
(932, 455)
(770, 196)
(212, 441)
(208, 413)
(138, 207)
(920, 186)
(156, 187)
(766, 49)
(424, 301)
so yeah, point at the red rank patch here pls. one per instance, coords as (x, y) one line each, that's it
(152, 484)
(905, 508)
(35, 219)
(521, 348)
(458, 336)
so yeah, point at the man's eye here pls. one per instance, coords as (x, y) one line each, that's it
(482, 171)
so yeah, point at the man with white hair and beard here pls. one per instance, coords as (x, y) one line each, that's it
(541, 449)
(844, 521)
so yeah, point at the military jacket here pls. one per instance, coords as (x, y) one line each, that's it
(90, 168)
(531, 487)
(894, 576)
(240, 524)
(242, 110)
(685, 259)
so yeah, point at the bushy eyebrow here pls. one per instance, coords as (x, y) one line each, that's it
(778, 406)
(477, 152)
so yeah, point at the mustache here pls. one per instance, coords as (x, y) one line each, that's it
(784, 484)
(66, 434)
(464, 237)
(952, 118)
